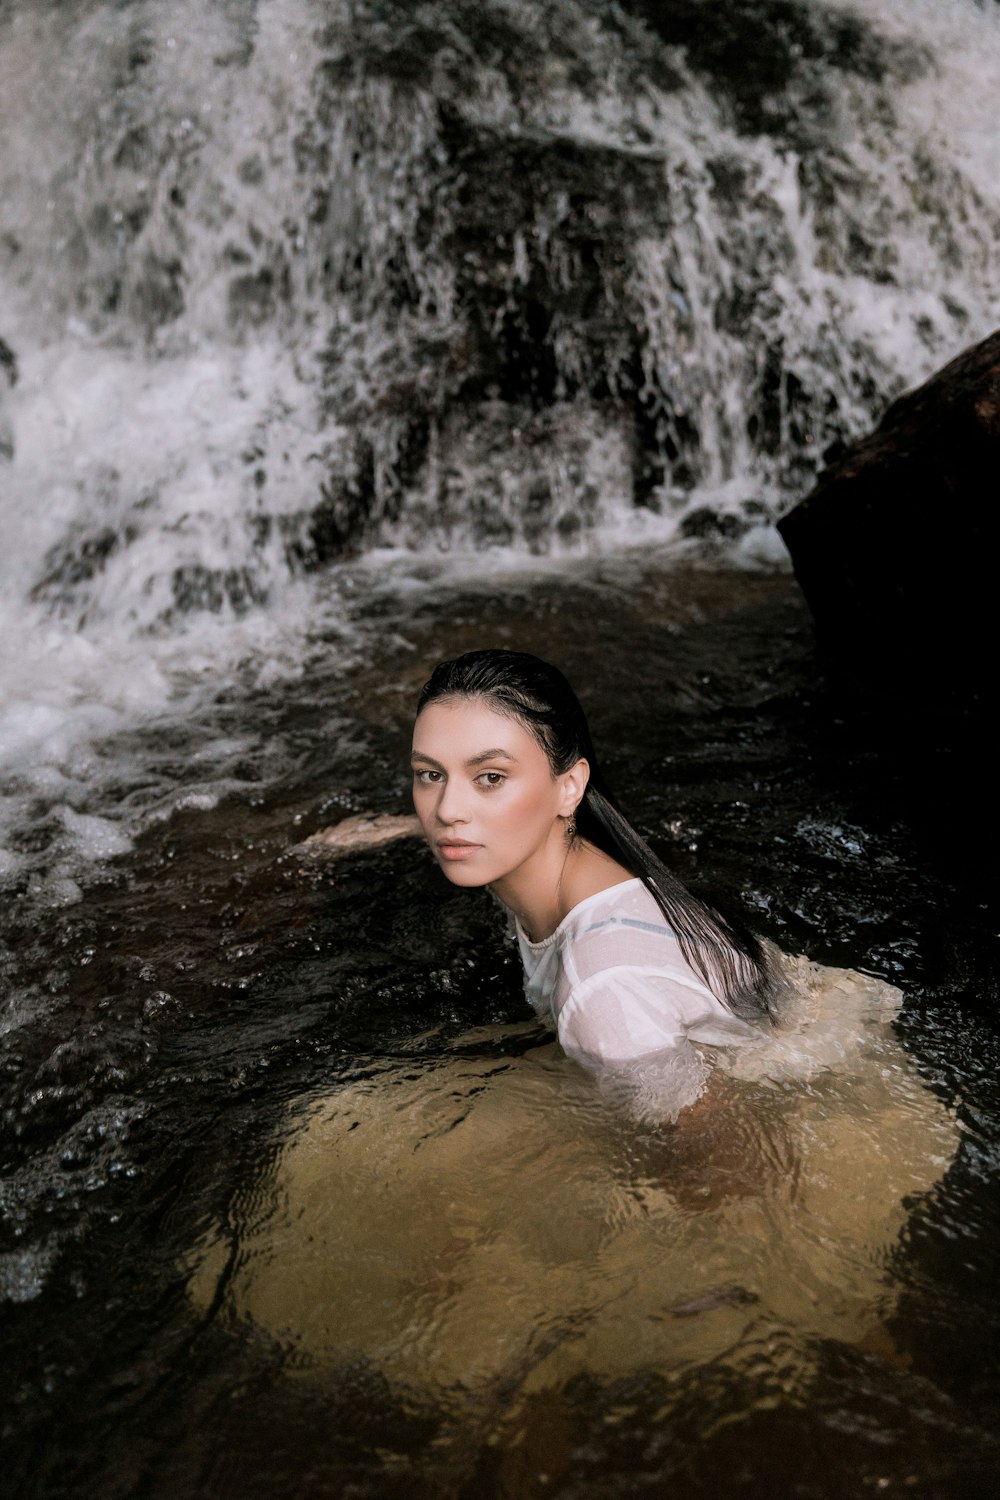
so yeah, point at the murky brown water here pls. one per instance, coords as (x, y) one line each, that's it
(469, 1227)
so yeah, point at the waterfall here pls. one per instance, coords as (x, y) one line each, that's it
(288, 280)
(285, 281)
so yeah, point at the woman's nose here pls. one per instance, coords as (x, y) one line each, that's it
(451, 804)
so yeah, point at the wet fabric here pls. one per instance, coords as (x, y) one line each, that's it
(614, 985)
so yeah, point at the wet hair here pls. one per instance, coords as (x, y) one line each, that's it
(734, 964)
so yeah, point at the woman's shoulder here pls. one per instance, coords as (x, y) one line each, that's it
(625, 899)
(601, 916)
(615, 920)
(596, 880)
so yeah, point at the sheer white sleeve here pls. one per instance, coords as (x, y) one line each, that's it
(619, 1014)
(628, 1027)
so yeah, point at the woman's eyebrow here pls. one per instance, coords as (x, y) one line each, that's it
(484, 755)
(474, 760)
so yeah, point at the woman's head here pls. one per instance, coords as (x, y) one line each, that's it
(497, 765)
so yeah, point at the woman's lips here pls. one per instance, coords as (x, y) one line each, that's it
(457, 848)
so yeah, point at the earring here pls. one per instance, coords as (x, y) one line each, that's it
(570, 828)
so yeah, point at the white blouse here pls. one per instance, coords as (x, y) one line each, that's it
(613, 983)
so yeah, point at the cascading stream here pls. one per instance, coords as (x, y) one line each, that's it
(284, 282)
(542, 277)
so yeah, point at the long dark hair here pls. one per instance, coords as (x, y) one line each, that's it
(734, 964)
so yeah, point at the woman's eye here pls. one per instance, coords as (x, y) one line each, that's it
(492, 778)
(427, 778)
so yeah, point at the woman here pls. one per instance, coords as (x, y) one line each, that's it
(619, 958)
(475, 1226)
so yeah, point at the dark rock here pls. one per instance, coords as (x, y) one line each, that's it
(196, 588)
(8, 377)
(895, 549)
(706, 524)
(8, 362)
(757, 55)
(78, 559)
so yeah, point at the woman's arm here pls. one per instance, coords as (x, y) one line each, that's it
(729, 1143)
(362, 831)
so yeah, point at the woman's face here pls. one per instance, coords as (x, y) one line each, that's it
(484, 792)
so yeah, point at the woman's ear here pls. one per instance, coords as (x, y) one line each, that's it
(574, 784)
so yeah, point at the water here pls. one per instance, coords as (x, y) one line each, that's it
(204, 1035)
(270, 299)
(317, 366)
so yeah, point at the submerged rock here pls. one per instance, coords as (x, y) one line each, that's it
(894, 549)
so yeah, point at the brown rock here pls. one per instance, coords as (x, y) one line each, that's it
(896, 552)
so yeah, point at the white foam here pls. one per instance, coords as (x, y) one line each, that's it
(94, 838)
(953, 104)
(82, 416)
(78, 721)
(23, 1273)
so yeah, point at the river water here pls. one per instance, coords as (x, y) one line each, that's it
(337, 338)
(297, 1202)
